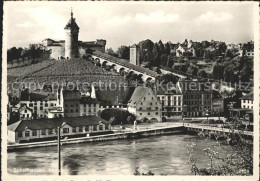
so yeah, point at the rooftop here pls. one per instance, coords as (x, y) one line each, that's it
(46, 123)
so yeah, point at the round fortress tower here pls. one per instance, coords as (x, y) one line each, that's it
(71, 40)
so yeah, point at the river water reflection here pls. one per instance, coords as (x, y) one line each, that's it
(161, 154)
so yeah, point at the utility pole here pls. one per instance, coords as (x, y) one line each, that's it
(59, 158)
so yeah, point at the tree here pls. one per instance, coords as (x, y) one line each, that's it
(156, 55)
(239, 161)
(167, 78)
(218, 71)
(117, 116)
(229, 74)
(123, 52)
(111, 52)
(192, 70)
(202, 73)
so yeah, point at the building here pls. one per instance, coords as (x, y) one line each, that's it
(88, 106)
(171, 101)
(145, 105)
(40, 102)
(135, 55)
(197, 98)
(247, 101)
(46, 129)
(247, 49)
(114, 97)
(71, 47)
(25, 112)
(217, 104)
(71, 103)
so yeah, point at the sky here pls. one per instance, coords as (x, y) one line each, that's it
(126, 23)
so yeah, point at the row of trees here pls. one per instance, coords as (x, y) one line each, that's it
(15, 53)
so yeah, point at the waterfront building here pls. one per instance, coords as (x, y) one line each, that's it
(71, 103)
(114, 97)
(39, 102)
(88, 106)
(46, 129)
(171, 101)
(145, 105)
(197, 98)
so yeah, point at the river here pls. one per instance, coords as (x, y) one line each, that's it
(165, 154)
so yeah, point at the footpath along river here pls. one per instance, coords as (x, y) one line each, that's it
(165, 154)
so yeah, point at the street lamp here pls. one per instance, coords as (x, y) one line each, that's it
(59, 153)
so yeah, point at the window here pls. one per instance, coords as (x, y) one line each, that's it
(25, 111)
(31, 105)
(148, 113)
(66, 130)
(156, 113)
(27, 115)
(77, 110)
(34, 133)
(44, 132)
(86, 128)
(50, 132)
(46, 105)
(106, 127)
(140, 113)
(27, 133)
(20, 134)
(80, 129)
(41, 108)
(71, 110)
(74, 130)
(151, 103)
(95, 128)
(144, 98)
(100, 127)
(52, 105)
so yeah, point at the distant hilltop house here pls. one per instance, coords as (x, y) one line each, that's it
(186, 49)
(247, 49)
(71, 47)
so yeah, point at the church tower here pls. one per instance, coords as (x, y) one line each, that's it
(71, 40)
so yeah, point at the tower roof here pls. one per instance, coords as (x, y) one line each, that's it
(72, 23)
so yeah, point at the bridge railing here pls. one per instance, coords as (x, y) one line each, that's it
(190, 125)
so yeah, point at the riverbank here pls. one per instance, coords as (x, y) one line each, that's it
(178, 128)
(129, 133)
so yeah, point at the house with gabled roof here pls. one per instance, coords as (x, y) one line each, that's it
(46, 129)
(145, 105)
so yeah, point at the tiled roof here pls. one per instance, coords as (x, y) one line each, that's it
(71, 24)
(88, 100)
(25, 96)
(249, 96)
(134, 46)
(114, 96)
(137, 95)
(71, 95)
(125, 63)
(53, 123)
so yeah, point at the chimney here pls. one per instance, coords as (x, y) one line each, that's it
(93, 92)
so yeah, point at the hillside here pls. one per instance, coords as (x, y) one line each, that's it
(73, 70)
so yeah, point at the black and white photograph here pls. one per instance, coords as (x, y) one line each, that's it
(130, 89)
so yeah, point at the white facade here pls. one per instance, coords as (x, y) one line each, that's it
(247, 104)
(147, 105)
